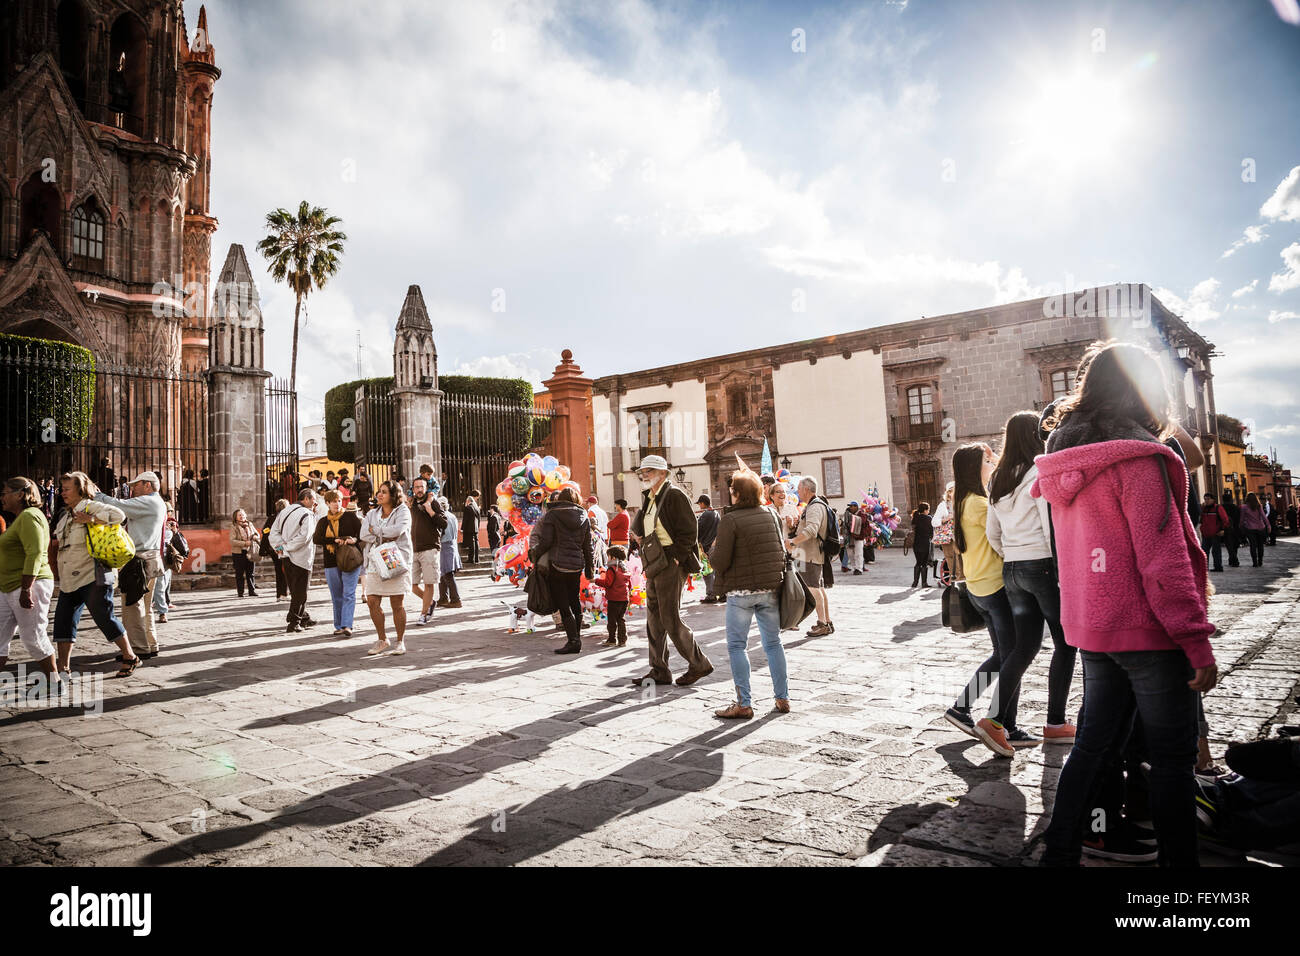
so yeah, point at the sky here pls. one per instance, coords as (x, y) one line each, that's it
(648, 183)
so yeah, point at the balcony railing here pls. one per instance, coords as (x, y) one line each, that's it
(916, 427)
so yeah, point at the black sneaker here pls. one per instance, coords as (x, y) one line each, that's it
(1022, 738)
(1207, 803)
(1122, 847)
(292, 629)
(961, 719)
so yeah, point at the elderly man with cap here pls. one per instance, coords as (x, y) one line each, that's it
(666, 529)
(146, 515)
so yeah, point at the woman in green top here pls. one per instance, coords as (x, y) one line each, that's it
(26, 582)
(972, 466)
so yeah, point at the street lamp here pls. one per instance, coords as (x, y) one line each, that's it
(681, 476)
(785, 462)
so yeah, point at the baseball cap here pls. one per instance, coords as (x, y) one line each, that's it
(149, 476)
(592, 499)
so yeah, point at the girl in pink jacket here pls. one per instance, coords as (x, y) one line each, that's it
(1133, 597)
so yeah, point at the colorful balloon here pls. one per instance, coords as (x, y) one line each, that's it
(516, 469)
(519, 485)
(536, 476)
(554, 481)
(532, 514)
(550, 463)
(504, 503)
(536, 496)
(565, 473)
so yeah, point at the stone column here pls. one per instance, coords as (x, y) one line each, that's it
(570, 393)
(237, 431)
(419, 429)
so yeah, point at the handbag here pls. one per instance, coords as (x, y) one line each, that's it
(796, 601)
(387, 560)
(347, 557)
(109, 544)
(959, 612)
(538, 590)
(654, 555)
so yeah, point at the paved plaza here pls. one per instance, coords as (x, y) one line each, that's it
(242, 745)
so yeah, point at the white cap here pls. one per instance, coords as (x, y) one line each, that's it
(653, 461)
(149, 476)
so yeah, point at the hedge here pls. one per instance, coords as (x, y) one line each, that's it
(44, 379)
(457, 433)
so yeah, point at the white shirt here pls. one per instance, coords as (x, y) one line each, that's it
(1018, 526)
(375, 529)
(599, 519)
(292, 530)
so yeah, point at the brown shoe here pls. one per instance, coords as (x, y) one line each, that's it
(818, 630)
(609, 642)
(735, 712)
(690, 677)
(651, 677)
(781, 706)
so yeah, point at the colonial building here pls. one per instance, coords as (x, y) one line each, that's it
(887, 406)
(105, 224)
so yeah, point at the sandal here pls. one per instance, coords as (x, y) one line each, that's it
(128, 667)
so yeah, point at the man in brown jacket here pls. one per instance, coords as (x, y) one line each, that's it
(667, 520)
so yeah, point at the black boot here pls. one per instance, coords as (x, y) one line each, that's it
(570, 647)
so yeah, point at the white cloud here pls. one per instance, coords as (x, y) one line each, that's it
(1288, 278)
(1284, 204)
(1199, 305)
(1247, 288)
(1252, 235)
(1275, 316)
(534, 366)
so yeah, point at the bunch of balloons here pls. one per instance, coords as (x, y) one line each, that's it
(519, 497)
(882, 518)
(594, 599)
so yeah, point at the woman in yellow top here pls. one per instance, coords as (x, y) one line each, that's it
(972, 465)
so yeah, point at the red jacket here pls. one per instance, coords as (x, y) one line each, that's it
(615, 581)
(1212, 522)
(618, 527)
(1132, 571)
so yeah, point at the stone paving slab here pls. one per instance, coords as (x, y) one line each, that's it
(241, 745)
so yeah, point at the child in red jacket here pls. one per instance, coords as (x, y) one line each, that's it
(616, 582)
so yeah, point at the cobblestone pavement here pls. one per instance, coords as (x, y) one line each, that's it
(243, 745)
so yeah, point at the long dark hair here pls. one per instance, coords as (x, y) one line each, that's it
(1252, 502)
(967, 468)
(1020, 443)
(1123, 382)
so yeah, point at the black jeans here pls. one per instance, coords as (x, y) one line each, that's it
(1035, 596)
(616, 620)
(298, 578)
(1115, 686)
(1232, 541)
(564, 592)
(447, 590)
(471, 546)
(281, 582)
(921, 572)
(1212, 545)
(244, 574)
(996, 611)
(1256, 541)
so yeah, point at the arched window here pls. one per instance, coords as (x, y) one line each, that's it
(128, 74)
(88, 237)
(74, 39)
(42, 207)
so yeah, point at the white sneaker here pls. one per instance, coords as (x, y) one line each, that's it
(397, 651)
(379, 648)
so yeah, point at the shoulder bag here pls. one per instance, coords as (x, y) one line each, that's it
(110, 544)
(795, 601)
(959, 613)
(653, 553)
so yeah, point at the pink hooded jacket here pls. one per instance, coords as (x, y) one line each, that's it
(1132, 571)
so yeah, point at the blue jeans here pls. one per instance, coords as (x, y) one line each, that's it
(99, 600)
(1035, 597)
(343, 594)
(996, 611)
(1117, 685)
(162, 593)
(741, 611)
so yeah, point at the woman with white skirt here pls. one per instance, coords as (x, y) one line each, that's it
(389, 522)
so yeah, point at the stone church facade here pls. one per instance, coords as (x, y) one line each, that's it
(105, 225)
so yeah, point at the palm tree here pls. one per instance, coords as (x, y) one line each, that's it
(304, 252)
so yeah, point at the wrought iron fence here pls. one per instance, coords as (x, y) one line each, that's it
(375, 419)
(282, 478)
(481, 437)
(63, 413)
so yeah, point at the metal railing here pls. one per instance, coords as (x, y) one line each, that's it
(916, 427)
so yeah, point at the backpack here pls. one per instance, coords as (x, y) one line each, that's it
(831, 542)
